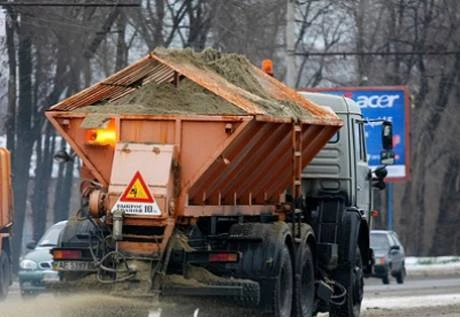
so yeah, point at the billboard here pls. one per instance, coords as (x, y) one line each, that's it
(387, 103)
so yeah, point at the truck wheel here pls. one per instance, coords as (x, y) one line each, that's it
(267, 260)
(5, 271)
(353, 281)
(284, 286)
(304, 294)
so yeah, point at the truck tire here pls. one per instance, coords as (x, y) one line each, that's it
(352, 278)
(284, 286)
(5, 271)
(304, 294)
(267, 260)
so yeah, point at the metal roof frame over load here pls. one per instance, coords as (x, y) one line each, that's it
(223, 162)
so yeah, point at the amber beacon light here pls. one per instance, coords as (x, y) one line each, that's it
(101, 136)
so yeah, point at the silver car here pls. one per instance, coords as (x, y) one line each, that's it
(389, 256)
(35, 267)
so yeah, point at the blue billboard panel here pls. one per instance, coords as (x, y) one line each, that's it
(385, 103)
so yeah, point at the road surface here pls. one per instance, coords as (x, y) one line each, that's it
(421, 296)
(416, 297)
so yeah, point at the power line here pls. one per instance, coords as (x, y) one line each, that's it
(129, 3)
(377, 53)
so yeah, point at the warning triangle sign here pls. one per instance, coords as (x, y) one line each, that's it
(137, 191)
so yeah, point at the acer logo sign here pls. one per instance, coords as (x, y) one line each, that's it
(377, 101)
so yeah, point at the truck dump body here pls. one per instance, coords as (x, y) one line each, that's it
(242, 156)
(239, 137)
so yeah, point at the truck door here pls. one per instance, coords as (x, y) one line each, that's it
(362, 193)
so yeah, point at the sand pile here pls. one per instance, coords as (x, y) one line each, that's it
(76, 305)
(165, 98)
(191, 98)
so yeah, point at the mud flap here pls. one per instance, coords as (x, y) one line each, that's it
(242, 292)
(349, 233)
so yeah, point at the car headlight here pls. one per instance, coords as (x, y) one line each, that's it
(28, 265)
(380, 261)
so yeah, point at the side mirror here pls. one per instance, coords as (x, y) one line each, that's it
(387, 135)
(380, 174)
(387, 156)
(31, 245)
(395, 248)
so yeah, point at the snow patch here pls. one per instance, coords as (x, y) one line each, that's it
(410, 301)
(443, 265)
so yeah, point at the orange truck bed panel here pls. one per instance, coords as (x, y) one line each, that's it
(6, 210)
(246, 159)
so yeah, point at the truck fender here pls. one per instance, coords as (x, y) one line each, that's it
(349, 234)
(364, 246)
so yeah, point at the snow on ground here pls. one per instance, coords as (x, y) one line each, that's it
(443, 265)
(411, 301)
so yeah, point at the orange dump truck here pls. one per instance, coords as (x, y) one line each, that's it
(191, 183)
(6, 221)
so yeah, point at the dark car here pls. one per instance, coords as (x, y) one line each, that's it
(389, 256)
(35, 267)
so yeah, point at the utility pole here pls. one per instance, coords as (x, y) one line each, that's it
(290, 43)
(389, 193)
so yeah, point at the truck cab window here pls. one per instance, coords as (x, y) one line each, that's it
(360, 144)
(335, 138)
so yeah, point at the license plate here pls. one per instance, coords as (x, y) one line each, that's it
(26, 284)
(51, 277)
(74, 266)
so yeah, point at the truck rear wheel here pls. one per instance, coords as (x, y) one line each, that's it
(5, 271)
(352, 279)
(304, 294)
(266, 259)
(284, 286)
